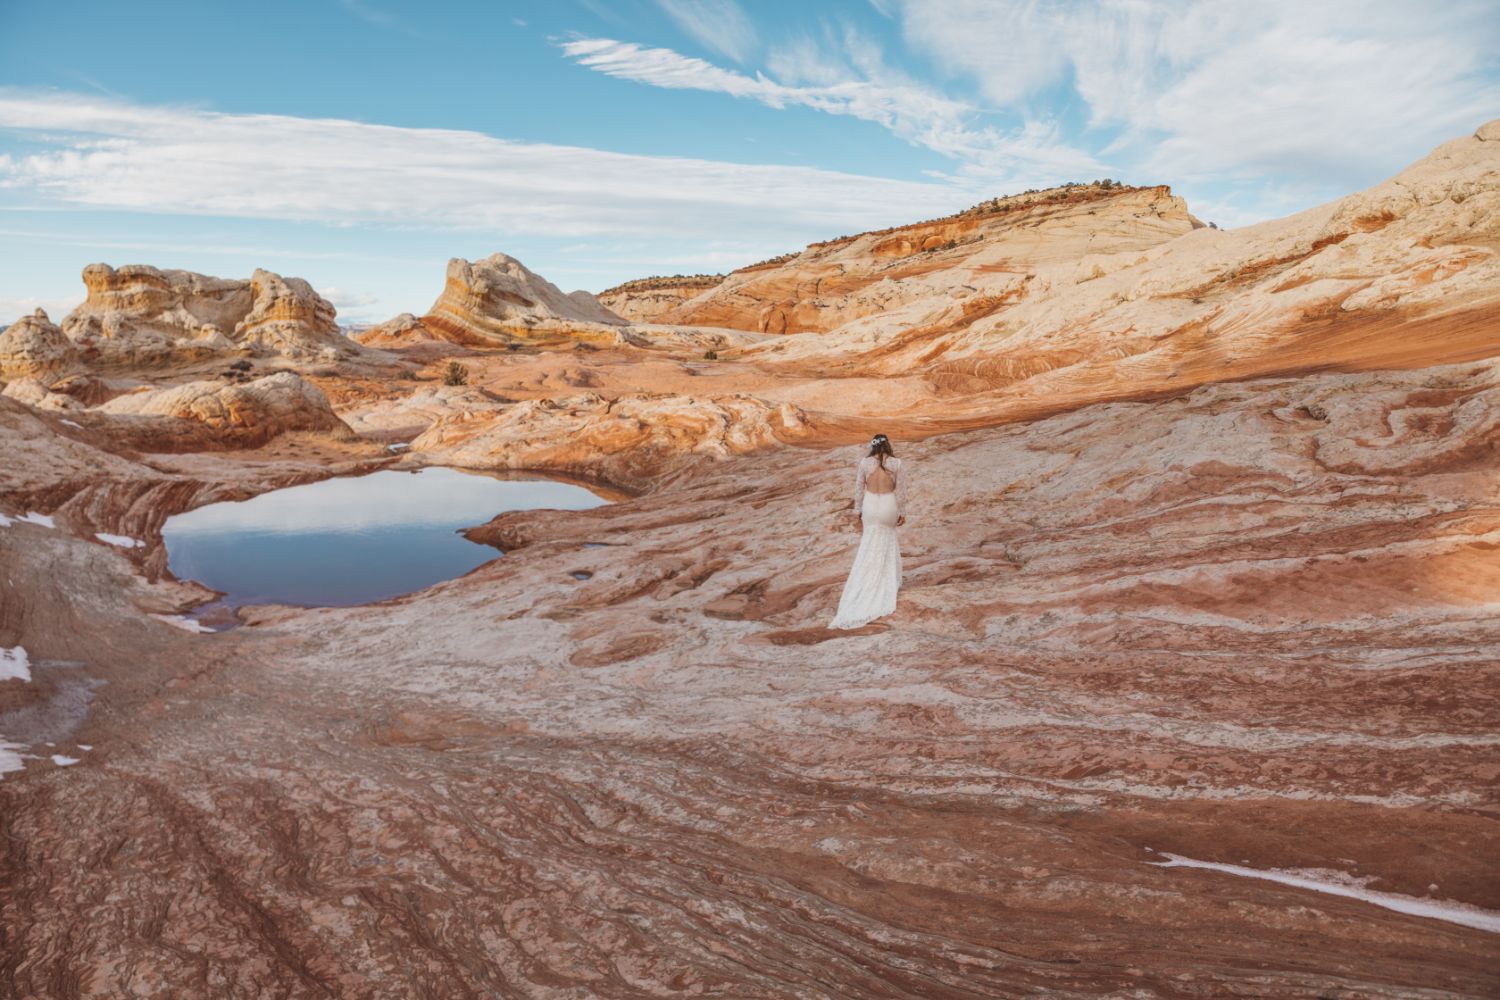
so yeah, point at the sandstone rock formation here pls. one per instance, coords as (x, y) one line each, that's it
(34, 346)
(497, 300)
(287, 317)
(648, 300)
(935, 264)
(1404, 274)
(234, 415)
(629, 440)
(402, 331)
(35, 392)
(139, 316)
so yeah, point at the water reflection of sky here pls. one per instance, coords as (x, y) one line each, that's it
(351, 540)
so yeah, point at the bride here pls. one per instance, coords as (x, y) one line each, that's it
(879, 509)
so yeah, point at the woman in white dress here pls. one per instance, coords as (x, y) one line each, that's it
(879, 509)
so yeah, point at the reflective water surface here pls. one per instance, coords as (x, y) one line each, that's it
(352, 540)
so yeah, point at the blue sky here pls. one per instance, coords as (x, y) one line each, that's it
(361, 143)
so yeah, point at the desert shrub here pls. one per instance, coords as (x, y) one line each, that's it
(583, 345)
(407, 375)
(456, 374)
(710, 355)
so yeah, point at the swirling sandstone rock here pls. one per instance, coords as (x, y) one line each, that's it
(930, 265)
(498, 300)
(287, 317)
(34, 392)
(1404, 274)
(139, 316)
(34, 346)
(628, 759)
(631, 440)
(402, 331)
(213, 414)
(650, 300)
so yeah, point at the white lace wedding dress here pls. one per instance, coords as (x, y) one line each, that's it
(870, 591)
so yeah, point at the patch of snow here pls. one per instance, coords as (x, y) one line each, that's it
(62, 761)
(398, 446)
(72, 424)
(15, 665)
(9, 759)
(1342, 884)
(85, 746)
(5, 522)
(35, 518)
(122, 541)
(183, 622)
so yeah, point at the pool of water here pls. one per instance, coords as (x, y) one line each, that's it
(352, 540)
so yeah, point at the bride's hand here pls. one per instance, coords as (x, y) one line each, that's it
(859, 522)
(900, 520)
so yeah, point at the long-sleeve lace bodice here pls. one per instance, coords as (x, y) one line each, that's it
(868, 465)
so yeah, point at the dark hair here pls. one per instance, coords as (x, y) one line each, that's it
(880, 447)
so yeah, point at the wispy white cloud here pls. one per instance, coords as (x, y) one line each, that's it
(719, 24)
(860, 85)
(110, 154)
(198, 248)
(1281, 89)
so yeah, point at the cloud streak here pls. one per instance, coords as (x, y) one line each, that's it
(1301, 92)
(866, 89)
(109, 154)
(719, 24)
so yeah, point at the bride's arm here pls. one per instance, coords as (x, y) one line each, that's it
(901, 476)
(859, 486)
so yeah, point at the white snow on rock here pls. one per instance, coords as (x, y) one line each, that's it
(183, 622)
(62, 761)
(122, 541)
(10, 760)
(15, 665)
(1341, 884)
(35, 518)
(71, 423)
